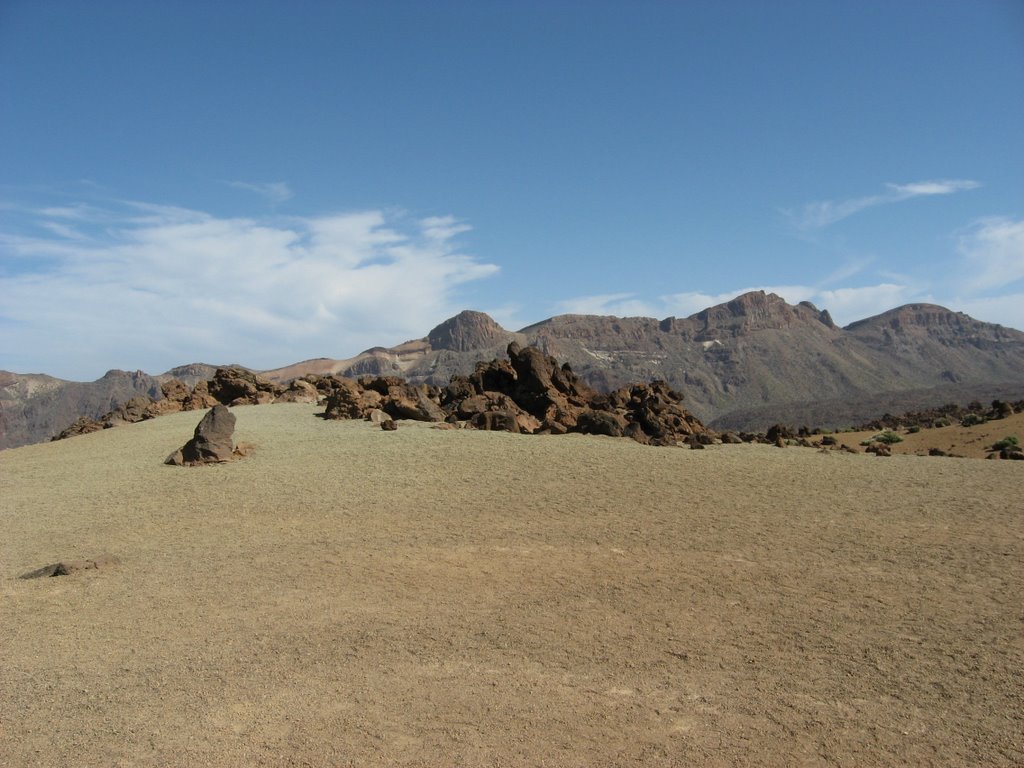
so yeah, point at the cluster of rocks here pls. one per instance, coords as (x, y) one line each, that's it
(229, 386)
(945, 415)
(1003, 450)
(176, 397)
(527, 393)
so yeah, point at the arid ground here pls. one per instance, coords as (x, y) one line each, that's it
(347, 596)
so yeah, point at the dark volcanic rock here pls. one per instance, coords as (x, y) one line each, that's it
(591, 422)
(348, 400)
(82, 426)
(212, 442)
(496, 421)
(237, 386)
(68, 567)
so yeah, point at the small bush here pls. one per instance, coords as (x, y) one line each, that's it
(914, 429)
(1006, 443)
(942, 423)
(972, 419)
(887, 437)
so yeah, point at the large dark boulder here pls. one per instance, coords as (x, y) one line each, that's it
(591, 422)
(212, 442)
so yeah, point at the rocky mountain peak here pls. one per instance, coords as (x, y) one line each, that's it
(930, 321)
(756, 311)
(467, 331)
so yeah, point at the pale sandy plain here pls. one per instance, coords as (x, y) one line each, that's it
(347, 596)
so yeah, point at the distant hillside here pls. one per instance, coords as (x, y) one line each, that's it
(35, 407)
(746, 363)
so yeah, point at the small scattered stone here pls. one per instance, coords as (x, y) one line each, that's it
(68, 567)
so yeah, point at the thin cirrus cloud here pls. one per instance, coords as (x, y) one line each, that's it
(993, 251)
(821, 214)
(273, 191)
(138, 285)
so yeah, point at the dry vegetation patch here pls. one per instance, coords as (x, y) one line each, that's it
(348, 596)
(972, 442)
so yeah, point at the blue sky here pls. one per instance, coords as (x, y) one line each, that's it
(264, 182)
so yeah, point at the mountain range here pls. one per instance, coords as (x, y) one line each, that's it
(746, 363)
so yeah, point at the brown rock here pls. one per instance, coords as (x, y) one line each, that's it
(175, 390)
(68, 567)
(408, 402)
(299, 391)
(389, 425)
(591, 422)
(346, 400)
(377, 416)
(496, 421)
(82, 426)
(212, 442)
(237, 386)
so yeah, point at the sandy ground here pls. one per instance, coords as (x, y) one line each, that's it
(347, 596)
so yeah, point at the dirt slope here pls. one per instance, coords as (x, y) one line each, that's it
(346, 596)
(973, 442)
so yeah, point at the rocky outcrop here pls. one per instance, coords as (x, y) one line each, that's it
(176, 396)
(358, 399)
(299, 391)
(212, 442)
(238, 386)
(529, 393)
(83, 425)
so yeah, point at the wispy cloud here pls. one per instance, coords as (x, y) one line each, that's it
(157, 286)
(274, 191)
(443, 227)
(618, 304)
(993, 249)
(824, 213)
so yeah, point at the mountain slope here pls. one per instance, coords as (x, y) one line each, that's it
(751, 354)
(737, 363)
(34, 407)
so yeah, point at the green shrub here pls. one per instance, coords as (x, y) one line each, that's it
(888, 437)
(914, 429)
(1006, 442)
(942, 423)
(972, 419)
